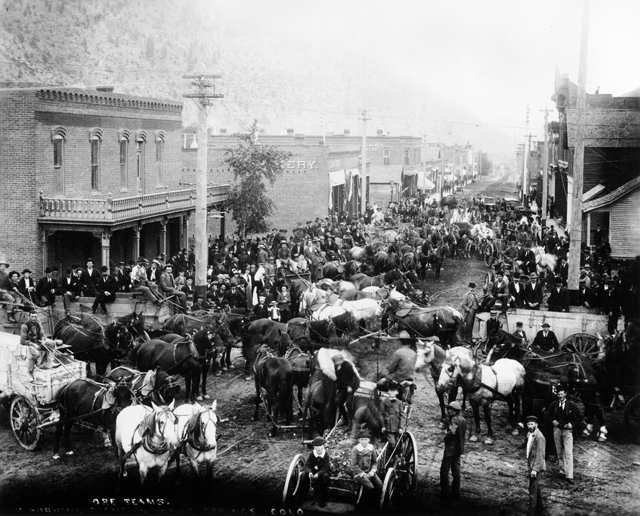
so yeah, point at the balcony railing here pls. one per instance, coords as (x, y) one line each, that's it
(110, 210)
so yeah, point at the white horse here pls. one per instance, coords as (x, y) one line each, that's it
(149, 435)
(544, 260)
(366, 310)
(482, 384)
(327, 311)
(197, 431)
(357, 253)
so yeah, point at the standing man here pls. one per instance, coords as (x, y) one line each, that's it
(27, 286)
(46, 289)
(564, 415)
(5, 291)
(536, 464)
(469, 307)
(533, 293)
(559, 298)
(453, 449)
(90, 276)
(402, 365)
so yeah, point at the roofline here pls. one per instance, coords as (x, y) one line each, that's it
(613, 196)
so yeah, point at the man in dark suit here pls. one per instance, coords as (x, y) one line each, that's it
(46, 289)
(546, 340)
(536, 464)
(516, 291)
(453, 449)
(261, 310)
(612, 304)
(105, 288)
(69, 287)
(168, 287)
(559, 298)
(27, 286)
(564, 415)
(90, 276)
(533, 292)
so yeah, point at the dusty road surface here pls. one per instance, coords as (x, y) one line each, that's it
(251, 468)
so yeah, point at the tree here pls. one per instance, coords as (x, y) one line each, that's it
(253, 164)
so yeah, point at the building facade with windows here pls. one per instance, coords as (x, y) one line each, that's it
(91, 173)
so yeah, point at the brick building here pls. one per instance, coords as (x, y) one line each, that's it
(323, 173)
(611, 164)
(91, 173)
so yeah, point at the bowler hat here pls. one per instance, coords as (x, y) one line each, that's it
(472, 285)
(546, 325)
(318, 441)
(455, 405)
(48, 270)
(26, 270)
(364, 434)
(104, 268)
(532, 419)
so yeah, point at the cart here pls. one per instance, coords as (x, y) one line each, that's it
(31, 403)
(396, 468)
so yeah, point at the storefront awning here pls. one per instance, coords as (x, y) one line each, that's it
(336, 178)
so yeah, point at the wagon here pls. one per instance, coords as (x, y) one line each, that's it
(31, 404)
(396, 468)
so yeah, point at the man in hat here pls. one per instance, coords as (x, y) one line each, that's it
(261, 310)
(501, 292)
(32, 336)
(5, 291)
(533, 292)
(274, 311)
(46, 289)
(493, 327)
(453, 448)
(391, 415)
(318, 467)
(469, 307)
(558, 300)
(168, 287)
(347, 383)
(402, 365)
(535, 450)
(612, 304)
(27, 286)
(564, 415)
(106, 288)
(140, 282)
(364, 462)
(153, 273)
(520, 334)
(546, 340)
(90, 277)
(516, 291)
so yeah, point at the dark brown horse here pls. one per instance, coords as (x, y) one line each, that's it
(263, 331)
(153, 386)
(273, 381)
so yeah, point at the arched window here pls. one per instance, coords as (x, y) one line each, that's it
(123, 144)
(95, 140)
(141, 140)
(58, 137)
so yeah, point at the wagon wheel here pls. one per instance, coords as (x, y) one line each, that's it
(382, 460)
(632, 417)
(582, 344)
(388, 490)
(297, 483)
(408, 460)
(24, 418)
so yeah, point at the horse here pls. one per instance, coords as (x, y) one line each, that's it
(482, 384)
(300, 361)
(273, 377)
(88, 341)
(435, 258)
(321, 407)
(177, 357)
(150, 435)
(153, 386)
(211, 343)
(314, 334)
(333, 270)
(92, 402)
(444, 322)
(197, 433)
(432, 355)
(259, 332)
(361, 280)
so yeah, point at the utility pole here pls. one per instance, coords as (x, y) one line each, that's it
(525, 162)
(363, 167)
(575, 228)
(545, 166)
(202, 96)
(441, 177)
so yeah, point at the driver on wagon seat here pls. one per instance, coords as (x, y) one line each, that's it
(399, 372)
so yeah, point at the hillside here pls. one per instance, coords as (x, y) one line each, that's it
(145, 47)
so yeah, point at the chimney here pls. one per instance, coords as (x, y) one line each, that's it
(290, 132)
(380, 132)
(223, 130)
(105, 89)
(347, 132)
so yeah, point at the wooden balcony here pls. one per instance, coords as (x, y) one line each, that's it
(110, 211)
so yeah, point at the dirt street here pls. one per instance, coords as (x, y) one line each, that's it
(251, 468)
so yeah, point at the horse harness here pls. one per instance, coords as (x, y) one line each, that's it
(194, 435)
(147, 442)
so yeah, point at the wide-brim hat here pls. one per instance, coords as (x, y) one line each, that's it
(317, 441)
(455, 405)
(532, 419)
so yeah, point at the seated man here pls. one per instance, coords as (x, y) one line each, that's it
(520, 334)
(46, 289)
(493, 325)
(5, 291)
(69, 287)
(402, 365)
(105, 289)
(140, 283)
(31, 336)
(318, 467)
(546, 340)
(168, 287)
(363, 462)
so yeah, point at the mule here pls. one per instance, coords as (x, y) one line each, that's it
(96, 404)
(197, 433)
(148, 434)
